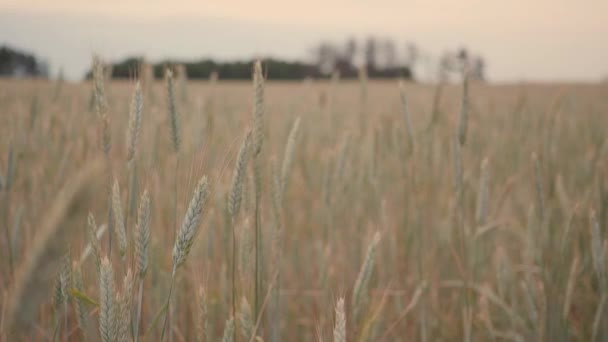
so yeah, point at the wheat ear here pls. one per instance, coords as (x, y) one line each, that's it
(228, 331)
(135, 118)
(142, 239)
(173, 114)
(245, 319)
(360, 296)
(289, 153)
(340, 325)
(119, 223)
(186, 234)
(107, 309)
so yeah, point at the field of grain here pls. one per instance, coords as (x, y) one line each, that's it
(332, 211)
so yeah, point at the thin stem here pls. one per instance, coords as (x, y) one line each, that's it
(139, 305)
(175, 193)
(8, 232)
(169, 314)
(130, 171)
(258, 229)
(65, 319)
(110, 213)
(234, 272)
(110, 226)
(168, 305)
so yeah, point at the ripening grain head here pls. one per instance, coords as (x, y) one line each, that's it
(123, 304)
(202, 321)
(93, 241)
(289, 153)
(99, 89)
(174, 122)
(107, 310)
(119, 223)
(142, 235)
(135, 117)
(246, 319)
(238, 178)
(228, 331)
(360, 296)
(189, 227)
(340, 325)
(258, 108)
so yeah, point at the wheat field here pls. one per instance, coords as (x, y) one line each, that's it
(321, 210)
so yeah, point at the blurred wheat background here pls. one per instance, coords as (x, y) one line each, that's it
(333, 209)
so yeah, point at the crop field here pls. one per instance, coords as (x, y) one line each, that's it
(321, 210)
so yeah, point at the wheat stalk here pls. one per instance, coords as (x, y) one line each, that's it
(597, 253)
(482, 197)
(276, 243)
(202, 326)
(234, 204)
(245, 251)
(463, 119)
(406, 115)
(540, 198)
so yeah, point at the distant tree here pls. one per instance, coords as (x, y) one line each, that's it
(390, 54)
(478, 69)
(379, 56)
(463, 56)
(326, 55)
(370, 53)
(460, 62)
(350, 50)
(203, 69)
(14, 63)
(412, 54)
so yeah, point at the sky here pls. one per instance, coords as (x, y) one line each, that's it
(538, 40)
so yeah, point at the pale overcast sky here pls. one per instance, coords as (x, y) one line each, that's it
(535, 40)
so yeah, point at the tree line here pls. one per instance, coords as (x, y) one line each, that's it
(14, 63)
(380, 57)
